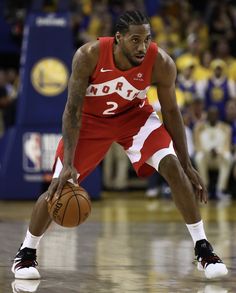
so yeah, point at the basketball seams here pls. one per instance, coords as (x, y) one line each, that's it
(66, 208)
(77, 203)
(78, 207)
(67, 203)
(88, 201)
(57, 199)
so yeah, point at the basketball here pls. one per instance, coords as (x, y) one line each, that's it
(72, 207)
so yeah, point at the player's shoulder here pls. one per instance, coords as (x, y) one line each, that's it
(164, 68)
(90, 49)
(163, 59)
(86, 57)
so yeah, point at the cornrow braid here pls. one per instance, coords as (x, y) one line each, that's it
(130, 17)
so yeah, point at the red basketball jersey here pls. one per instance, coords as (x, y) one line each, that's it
(112, 91)
(116, 110)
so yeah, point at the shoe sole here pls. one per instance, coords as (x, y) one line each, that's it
(30, 276)
(212, 273)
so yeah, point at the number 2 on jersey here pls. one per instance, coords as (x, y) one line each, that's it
(110, 110)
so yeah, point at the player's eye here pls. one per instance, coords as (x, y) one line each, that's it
(135, 40)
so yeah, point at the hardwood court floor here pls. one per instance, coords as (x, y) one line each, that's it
(128, 244)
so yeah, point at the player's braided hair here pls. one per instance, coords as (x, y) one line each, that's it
(130, 17)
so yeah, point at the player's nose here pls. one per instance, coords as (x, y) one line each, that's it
(142, 48)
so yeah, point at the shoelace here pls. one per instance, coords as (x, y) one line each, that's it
(26, 264)
(26, 260)
(210, 259)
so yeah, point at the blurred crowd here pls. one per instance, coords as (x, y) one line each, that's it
(201, 37)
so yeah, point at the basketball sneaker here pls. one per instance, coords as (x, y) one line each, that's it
(208, 261)
(24, 264)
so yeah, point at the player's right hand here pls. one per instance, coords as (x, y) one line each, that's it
(199, 187)
(57, 184)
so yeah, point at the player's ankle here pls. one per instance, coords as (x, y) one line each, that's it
(31, 241)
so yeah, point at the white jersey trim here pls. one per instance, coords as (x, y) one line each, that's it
(58, 169)
(120, 86)
(152, 123)
(156, 158)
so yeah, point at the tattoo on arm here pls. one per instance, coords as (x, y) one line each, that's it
(77, 86)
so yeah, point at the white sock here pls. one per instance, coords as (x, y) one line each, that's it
(31, 241)
(196, 231)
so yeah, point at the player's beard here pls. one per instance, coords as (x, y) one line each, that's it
(130, 58)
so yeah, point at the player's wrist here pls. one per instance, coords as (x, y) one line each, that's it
(68, 163)
(186, 164)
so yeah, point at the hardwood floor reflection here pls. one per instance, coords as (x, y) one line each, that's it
(128, 244)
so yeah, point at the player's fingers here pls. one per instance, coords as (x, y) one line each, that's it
(204, 195)
(200, 188)
(197, 185)
(74, 178)
(198, 192)
(60, 186)
(203, 192)
(51, 190)
(47, 197)
(200, 195)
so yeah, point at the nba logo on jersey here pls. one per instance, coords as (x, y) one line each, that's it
(32, 152)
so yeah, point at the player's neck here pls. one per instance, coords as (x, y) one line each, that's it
(120, 60)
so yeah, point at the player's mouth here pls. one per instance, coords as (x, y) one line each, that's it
(140, 57)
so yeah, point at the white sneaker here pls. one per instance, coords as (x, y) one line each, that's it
(25, 285)
(208, 261)
(24, 264)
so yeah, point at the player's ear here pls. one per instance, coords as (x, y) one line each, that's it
(117, 37)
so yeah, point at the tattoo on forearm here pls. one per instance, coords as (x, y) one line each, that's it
(72, 120)
(72, 115)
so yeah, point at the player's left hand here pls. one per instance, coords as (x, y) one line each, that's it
(197, 183)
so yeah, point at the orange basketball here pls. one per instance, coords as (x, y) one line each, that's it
(72, 208)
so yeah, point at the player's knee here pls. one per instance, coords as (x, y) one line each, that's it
(170, 168)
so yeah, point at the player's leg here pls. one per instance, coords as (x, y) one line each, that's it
(185, 199)
(181, 188)
(25, 262)
(149, 147)
(24, 265)
(40, 219)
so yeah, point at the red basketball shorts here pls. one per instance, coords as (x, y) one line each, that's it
(139, 131)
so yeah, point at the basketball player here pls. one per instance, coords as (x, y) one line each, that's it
(106, 103)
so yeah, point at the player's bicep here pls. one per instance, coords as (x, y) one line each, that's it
(78, 80)
(165, 79)
(167, 97)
